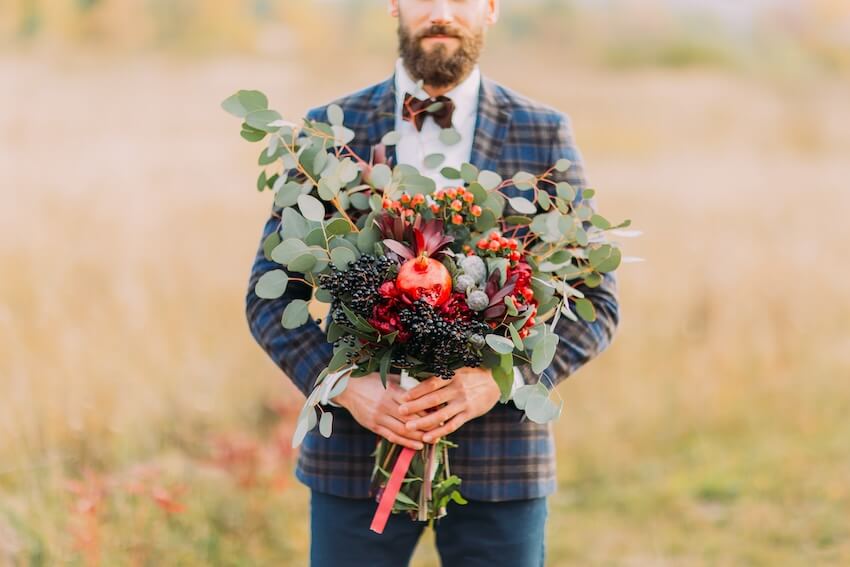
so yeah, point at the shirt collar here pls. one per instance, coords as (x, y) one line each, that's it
(464, 95)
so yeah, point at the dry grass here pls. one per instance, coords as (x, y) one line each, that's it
(713, 432)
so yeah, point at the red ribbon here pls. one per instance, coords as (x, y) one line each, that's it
(385, 506)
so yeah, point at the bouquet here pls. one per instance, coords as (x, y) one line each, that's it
(420, 280)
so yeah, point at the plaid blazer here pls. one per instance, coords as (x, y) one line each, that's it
(500, 456)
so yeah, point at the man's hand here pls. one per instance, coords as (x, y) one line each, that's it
(470, 393)
(377, 409)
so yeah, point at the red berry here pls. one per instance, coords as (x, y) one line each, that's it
(457, 219)
(483, 243)
(435, 208)
(468, 197)
(494, 245)
(456, 205)
(475, 211)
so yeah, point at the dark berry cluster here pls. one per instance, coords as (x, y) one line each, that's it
(443, 344)
(357, 286)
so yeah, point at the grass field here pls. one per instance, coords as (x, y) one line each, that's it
(140, 424)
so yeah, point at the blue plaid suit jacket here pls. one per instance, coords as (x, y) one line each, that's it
(500, 456)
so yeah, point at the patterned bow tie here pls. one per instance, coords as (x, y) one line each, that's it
(415, 110)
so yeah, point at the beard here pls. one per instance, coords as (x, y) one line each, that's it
(439, 67)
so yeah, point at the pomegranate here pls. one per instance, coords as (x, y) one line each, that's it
(426, 278)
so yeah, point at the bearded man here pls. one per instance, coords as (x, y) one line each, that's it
(507, 464)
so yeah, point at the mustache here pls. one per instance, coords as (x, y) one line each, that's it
(438, 29)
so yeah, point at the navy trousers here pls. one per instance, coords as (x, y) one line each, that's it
(491, 534)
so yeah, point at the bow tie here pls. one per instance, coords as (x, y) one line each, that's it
(415, 110)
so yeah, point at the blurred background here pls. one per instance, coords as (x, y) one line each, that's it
(141, 425)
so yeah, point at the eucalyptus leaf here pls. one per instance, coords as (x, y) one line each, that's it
(433, 161)
(544, 352)
(380, 176)
(342, 257)
(326, 424)
(272, 284)
(449, 136)
(295, 314)
(522, 205)
(287, 250)
(311, 208)
(563, 165)
(585, 310)
(489, 179)
(391, 138)
(335, 115)
(499, 343)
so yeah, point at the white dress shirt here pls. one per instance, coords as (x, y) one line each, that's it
(414, 146)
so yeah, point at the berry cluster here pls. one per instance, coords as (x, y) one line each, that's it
(523, 294)
(443, 342)
(497, 245)
(455, 205)
(405, 206)
(357, 286)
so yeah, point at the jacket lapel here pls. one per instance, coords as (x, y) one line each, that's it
(383, 115)
(491, 126)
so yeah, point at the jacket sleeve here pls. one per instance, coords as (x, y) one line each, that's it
(301, 353)
(580, 341)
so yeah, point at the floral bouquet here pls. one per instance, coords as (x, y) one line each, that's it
(420, 280)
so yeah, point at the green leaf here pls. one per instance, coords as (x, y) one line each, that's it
(385, 365)
(270, 243)
(496, 203)
(450, 173)
(326, 424)
(478, 192)
(342, 257)
(503, 374)
(244, 102)
(563, 165)
(524, 181)
(522, 205)
(338, 227)
(523, 393)
(518, 220)
(486, 221)
(468, 172)
(335, 115)
(366, 240)
(611, 263)
(515, 337)
(252, 134)
(262, 181)
(287, 250)
(540, 409)
(272, 284)
(433, 161)
(565, 191)
(380, 176)
(287, 195)
(489, 179)
(499, 343)
(260, 119)
(449, 136)
(600, 222)
(303, 262)
(295, 314)
(544, 352)
(391, 138)
(585, 310)
(311, 208)
(544, 200)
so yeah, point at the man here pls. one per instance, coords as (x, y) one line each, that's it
(507, 464)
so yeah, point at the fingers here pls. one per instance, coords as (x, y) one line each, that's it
(451, 426)
(432, 384)
(397, 398)
(436, 418)
(427, 401)
(395, 432)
